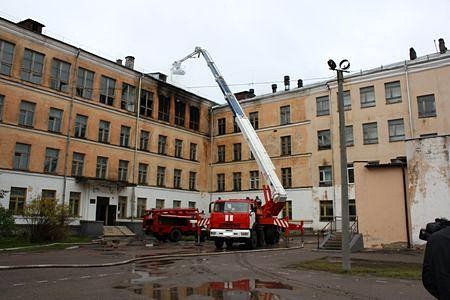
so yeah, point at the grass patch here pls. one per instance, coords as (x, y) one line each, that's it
(19, 241)
(366, 267)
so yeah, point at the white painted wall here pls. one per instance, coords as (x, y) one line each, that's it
(429, 181)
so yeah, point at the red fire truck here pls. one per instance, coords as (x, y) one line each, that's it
(245, 220)
(171, 223)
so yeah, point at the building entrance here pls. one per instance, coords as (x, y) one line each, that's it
(105, 212)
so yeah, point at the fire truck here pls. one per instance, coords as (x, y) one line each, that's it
(172, 223)
(245, 220)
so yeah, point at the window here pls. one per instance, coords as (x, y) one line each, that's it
(160, 203)
(85, 81)
(350, 173)
(396, 130)
(176, 203)
(194, 118)
(146, 105)
(180, 112)
(54, 120)
(178, 148)
(49, 195)
(101, 169)
(370, 133)
(80, 126)
(367, 96)
(236, 181)
(21, 156)
(17, 199)
(254, 119)
(161, 176)
(221, 125)
(220, 182)
(221, 153)
(323, 106)
(237, 151)
(426, 106)
(326, 210)
(347, 100)
(125, 136)
(59, 78)
(325, 176)
(192, 204)
(393, 92)
(254, 180)
(324, 139)
(103, 131)
(26, 116)
(163, 108)
(2, 104)
(286, 145)
(286, 177)
(107, 90)
(352, 209)
(349, 136)
(162, 144)
(177, 178)
(143, 142)
(287, 210)
(128, 97)
(285, 115)
(123, 170)
(122, 208)
(77, 164)
(143, 171)
(74, 204)
(235, 126)
(192, 180)
(251, 156)
(32, 65)
(141, 207)
(51, 160)
(6, 57)
(193, 151)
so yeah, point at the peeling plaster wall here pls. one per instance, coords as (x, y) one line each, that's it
(429, 181)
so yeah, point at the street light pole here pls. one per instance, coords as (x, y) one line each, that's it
(344, 65)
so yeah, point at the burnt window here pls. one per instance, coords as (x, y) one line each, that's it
(254, 119)
(85, 81)
(59, 78)
(128, 97)
(180, 112)
(194, 118)
(107, 90)
(146, 105)
(163, 108)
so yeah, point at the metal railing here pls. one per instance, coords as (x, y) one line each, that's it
(335, 225)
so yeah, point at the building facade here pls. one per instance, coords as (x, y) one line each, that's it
(112, 141)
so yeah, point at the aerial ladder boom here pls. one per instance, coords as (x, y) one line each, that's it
(266, 166)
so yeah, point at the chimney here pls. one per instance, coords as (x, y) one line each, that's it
(31, 25)
(299, 83)
(286, 83)
(274, 88)
(119, 61)
(412, 54)
(442, 48)
(251, 91)
(129, 62)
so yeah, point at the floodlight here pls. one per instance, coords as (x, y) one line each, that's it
(332, 64)
(344, 64)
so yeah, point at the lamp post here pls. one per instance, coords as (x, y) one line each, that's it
(343, 66)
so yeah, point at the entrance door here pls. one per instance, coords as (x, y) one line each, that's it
(112, 214)
(101, 212)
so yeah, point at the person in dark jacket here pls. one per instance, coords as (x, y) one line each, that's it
(436, 264)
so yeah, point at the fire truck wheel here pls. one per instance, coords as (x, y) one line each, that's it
(175, 235)
(252, 242)
(260, 235)
(229, 243)
(218, 243)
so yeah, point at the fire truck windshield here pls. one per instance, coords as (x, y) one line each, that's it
(231, 207)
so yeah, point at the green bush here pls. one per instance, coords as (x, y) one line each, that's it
(7, 223)
(47, 220)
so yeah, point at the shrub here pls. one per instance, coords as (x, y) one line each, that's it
(47, 220)
(7, 223)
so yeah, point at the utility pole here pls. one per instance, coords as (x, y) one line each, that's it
(343, 66)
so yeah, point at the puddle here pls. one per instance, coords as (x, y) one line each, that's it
(245, 289)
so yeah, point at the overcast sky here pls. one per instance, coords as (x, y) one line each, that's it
(251, 41)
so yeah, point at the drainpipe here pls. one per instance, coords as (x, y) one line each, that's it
(136, 130)
(72, 98)
(405, 200)
(408, 94)
(211, 155)
(332, 149)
